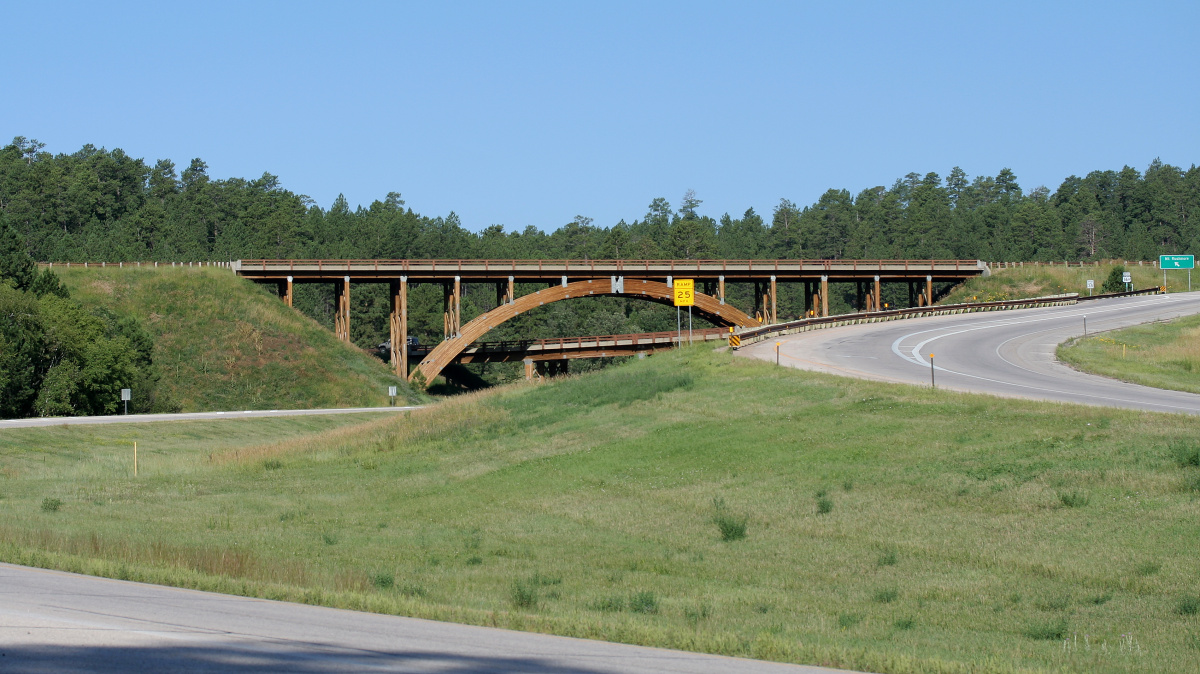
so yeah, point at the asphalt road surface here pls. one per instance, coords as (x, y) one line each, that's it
(58, 622)
(188, 416)
(1005, 353)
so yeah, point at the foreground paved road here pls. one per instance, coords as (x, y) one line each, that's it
(1009, 353)
(60, 622)
(189, 416)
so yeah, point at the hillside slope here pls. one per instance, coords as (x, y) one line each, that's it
(224, 343)
(691, 500)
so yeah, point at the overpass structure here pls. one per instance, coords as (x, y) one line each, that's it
(650, 280)
(549, 356)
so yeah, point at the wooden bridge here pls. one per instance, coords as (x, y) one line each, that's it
(651, 280)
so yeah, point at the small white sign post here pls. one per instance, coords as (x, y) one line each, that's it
(1127, 279)
(392, 394)
(1090, 284)
(126, 395)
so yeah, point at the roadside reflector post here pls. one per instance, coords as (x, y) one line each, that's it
(932, 370)
(777, 352)
(1085, 325)
(135, 458)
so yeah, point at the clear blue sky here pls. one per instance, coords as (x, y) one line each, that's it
(530, 114)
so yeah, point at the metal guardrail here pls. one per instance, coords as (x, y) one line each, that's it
(755, 335)
(1144, 291)
(633, 339)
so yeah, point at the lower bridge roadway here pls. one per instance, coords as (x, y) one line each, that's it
(1009, 353)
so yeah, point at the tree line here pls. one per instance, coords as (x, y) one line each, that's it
(103, 205)
(97, 204)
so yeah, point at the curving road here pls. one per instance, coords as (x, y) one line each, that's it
(58, 622)
(1009, 353)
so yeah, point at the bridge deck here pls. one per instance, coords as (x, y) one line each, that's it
(367, 271)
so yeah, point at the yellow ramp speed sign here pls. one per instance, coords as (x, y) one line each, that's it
(685, 292)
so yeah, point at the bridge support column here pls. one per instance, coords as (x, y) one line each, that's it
(877, 296)
(721, 289)
(287, 295)
(457, 306)
(446, 312)
(529, 369)
(341, 320)
(858, 297)
(774, 304)
(928, 291)
(398, 326)
(512, 290)
(824, 296)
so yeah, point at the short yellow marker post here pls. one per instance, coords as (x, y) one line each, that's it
(777, 352)
(932, 377)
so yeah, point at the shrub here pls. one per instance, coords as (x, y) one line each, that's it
(1073, 499)
(272, 464)
(695, 615)
(524, 594)
(905, 623)
(383, 581)
(1047, 631)
(51, 505)
(410, 590)
(329, 539)
(887, 558)
(824, 505)
(1186, 453)
(609, 604)
(732, 526)
(1113, 283)
(1189, 606)
(886, 595)
(848, 620)
(474, 561)
(1148, 568)
(643, 602)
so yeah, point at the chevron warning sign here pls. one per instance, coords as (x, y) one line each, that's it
(735, 341)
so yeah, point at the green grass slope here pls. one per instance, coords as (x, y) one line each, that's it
(224, 343)
(1162, 355)
(1036, 281)
(692, 500)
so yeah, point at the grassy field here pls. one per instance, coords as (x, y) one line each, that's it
(224, 343)
(690, 500)
(1035, 281)
(1163, 355)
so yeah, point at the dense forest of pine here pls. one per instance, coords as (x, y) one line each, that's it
(102, 205)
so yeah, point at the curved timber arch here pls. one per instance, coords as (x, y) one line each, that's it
(708, 307)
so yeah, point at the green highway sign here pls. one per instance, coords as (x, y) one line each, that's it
(1176, 261)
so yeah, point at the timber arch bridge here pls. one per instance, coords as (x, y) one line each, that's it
(569, 279)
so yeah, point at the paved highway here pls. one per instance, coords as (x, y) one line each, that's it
(189, 416)
(1008, 353)
(58, 622)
